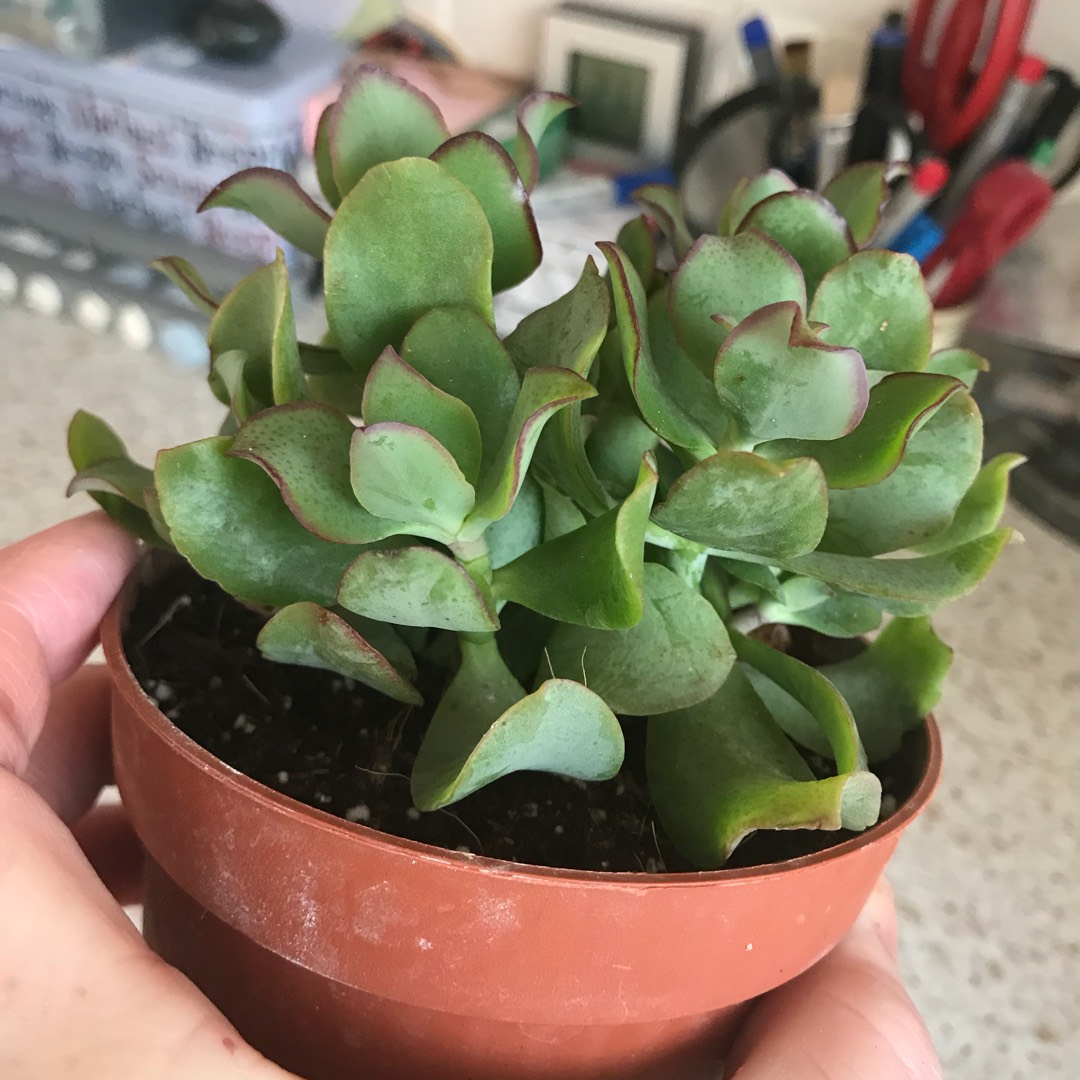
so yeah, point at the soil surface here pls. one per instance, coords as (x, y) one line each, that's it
(336, 745)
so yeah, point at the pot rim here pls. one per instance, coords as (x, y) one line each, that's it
(147, 708)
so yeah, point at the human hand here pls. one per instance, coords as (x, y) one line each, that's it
(82, 996)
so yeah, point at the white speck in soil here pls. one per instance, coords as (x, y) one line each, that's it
(559, 830)
(597, 814)
(604, 864)
(173, 714)
(215, 682)
(163, 691)
(530, 810)
(286, 702)
(360, 812)
(412, 814)
(322, 798)
(283, 777)
(464, 849)
(350, 684)
(888, 806)
(244, 723)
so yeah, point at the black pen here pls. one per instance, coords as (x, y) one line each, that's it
(882, 108)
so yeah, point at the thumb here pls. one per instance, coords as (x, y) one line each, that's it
(847, 1018)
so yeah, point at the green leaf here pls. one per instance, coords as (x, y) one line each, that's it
(544, 392)
(485, 727)
(732, 277)
(747, 194)
(189, 281)
(897, 407)
(814, 604)
(104, 470)
(638, 239)
(379, 118)
(324, 165)
(893, 684)
(816, 694)
(722, 769)
(663, 203)
(962, 364)
(459, 352)
(229, 381)
(561, 516)
(980, 509)
(486, 169)
(309, 635)
(227, 518)
(396, 392)
(278, 201)
(782, 381)
(877, 302)
(304, 448)
(401, 473)
(567, 333)
(520, 529)
(616, 444)
(760, 577)
(859, 192)
(535, 114)
(743, 503)
(808, 227)
(661, 412)
(257, 318)
(409, 237)
(592, 576)
(919, 498)
(416, 586)
(905, 586)
(676, 656)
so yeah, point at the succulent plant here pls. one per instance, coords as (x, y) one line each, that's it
(599, 509)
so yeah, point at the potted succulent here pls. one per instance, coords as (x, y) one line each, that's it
(502, 707)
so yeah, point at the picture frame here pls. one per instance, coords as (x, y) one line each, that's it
(634, 78)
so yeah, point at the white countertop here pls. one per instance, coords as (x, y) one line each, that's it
(986, 882)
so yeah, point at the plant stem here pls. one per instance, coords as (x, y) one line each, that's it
(688, 560)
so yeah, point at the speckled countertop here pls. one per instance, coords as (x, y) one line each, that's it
(986, 882)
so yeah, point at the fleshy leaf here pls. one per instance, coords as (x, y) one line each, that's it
(535, 114)
(733, 277)
(257, 318)
(401, 473)
(898, 406)
(907, 586)
(592, 576)
(616, 444)
(311, 636)
(919, 498)
(457, 351)
(409, 237)
(104, 470)
(808, 227)
(877, 302)
(324, 165)
(663, 203)
(520, 529)
(638, 239)
(486, 727)
(279, 202)
(228, 519)
(379, 118)
(748, 193)
(784, 382)
(722, 769)
(228, 377)
(567, 333)
(189, 281)
(813, 692)
(415, 586)
(661, 412)
(676, 656)
(397, 392)
(859, 192)
(304, 448)
(763, 578)
(962, 364)
(741, 502)
(980, 509)
(814, 604)
(561, 516)
(486, 169)
(544, 391)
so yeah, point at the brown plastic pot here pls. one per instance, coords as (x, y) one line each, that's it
(340, 952)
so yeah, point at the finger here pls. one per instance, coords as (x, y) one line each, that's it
(63, 581)
(54, 589)
(111, 847)
(847, 1018)
(72, 761)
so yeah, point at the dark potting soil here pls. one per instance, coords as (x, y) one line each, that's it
(336, 745)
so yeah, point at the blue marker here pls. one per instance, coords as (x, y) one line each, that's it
(756, 38)
(920, 238)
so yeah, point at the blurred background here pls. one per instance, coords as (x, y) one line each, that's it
(118, 116)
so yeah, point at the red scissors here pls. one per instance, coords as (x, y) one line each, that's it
(942, 83)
